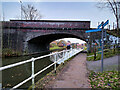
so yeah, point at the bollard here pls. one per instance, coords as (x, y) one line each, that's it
(33, 80)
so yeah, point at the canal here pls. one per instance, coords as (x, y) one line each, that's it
(15, 75)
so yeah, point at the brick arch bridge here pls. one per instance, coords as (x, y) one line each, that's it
(35, 36)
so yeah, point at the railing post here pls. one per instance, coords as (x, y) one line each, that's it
(33, 79)
(69, 53)
(55, 62)
(63, 57)
(0, 86)
(50, 57)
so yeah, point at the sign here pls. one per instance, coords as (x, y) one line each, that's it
(105, 23)
(100, 25)
(93, 30)
(96, 30)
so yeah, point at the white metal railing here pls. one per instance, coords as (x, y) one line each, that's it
(66, 54)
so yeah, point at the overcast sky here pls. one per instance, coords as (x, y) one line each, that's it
(83, 11)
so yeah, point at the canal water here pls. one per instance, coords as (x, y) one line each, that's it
(15, 75)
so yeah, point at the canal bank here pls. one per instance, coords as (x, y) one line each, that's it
(12, 76)
(8, 53)
(15, 75)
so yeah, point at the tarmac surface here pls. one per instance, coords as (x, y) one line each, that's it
(109, 64)
(74, 74)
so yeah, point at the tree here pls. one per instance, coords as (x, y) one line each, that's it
(29, 12)
(62, 43)
(114, 6)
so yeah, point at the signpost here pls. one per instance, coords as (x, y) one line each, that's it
(93, 30)
(102, 49)
(100, 28)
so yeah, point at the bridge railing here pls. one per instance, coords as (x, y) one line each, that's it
(55, 57)
(64, 55)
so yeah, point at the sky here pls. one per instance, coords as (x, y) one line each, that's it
(82, 11)
(73, 40)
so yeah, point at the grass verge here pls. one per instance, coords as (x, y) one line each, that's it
(107, 53)
(56, 47)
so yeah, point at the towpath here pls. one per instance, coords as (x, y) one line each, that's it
(74, 74)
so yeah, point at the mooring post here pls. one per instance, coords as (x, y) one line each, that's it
(33, 80)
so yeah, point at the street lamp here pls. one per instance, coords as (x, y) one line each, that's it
(21, 9)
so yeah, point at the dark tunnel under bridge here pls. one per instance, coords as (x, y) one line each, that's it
(41, 43)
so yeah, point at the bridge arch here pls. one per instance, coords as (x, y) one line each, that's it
(38, 42)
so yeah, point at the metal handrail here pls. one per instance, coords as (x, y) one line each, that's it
(33, 60)
(23, 62)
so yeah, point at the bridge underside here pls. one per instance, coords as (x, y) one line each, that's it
(41, 43)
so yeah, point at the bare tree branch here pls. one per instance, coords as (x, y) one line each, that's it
(114, 6)
(30, 13)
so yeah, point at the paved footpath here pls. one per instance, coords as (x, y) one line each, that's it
(109, 64)
(74, 74)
